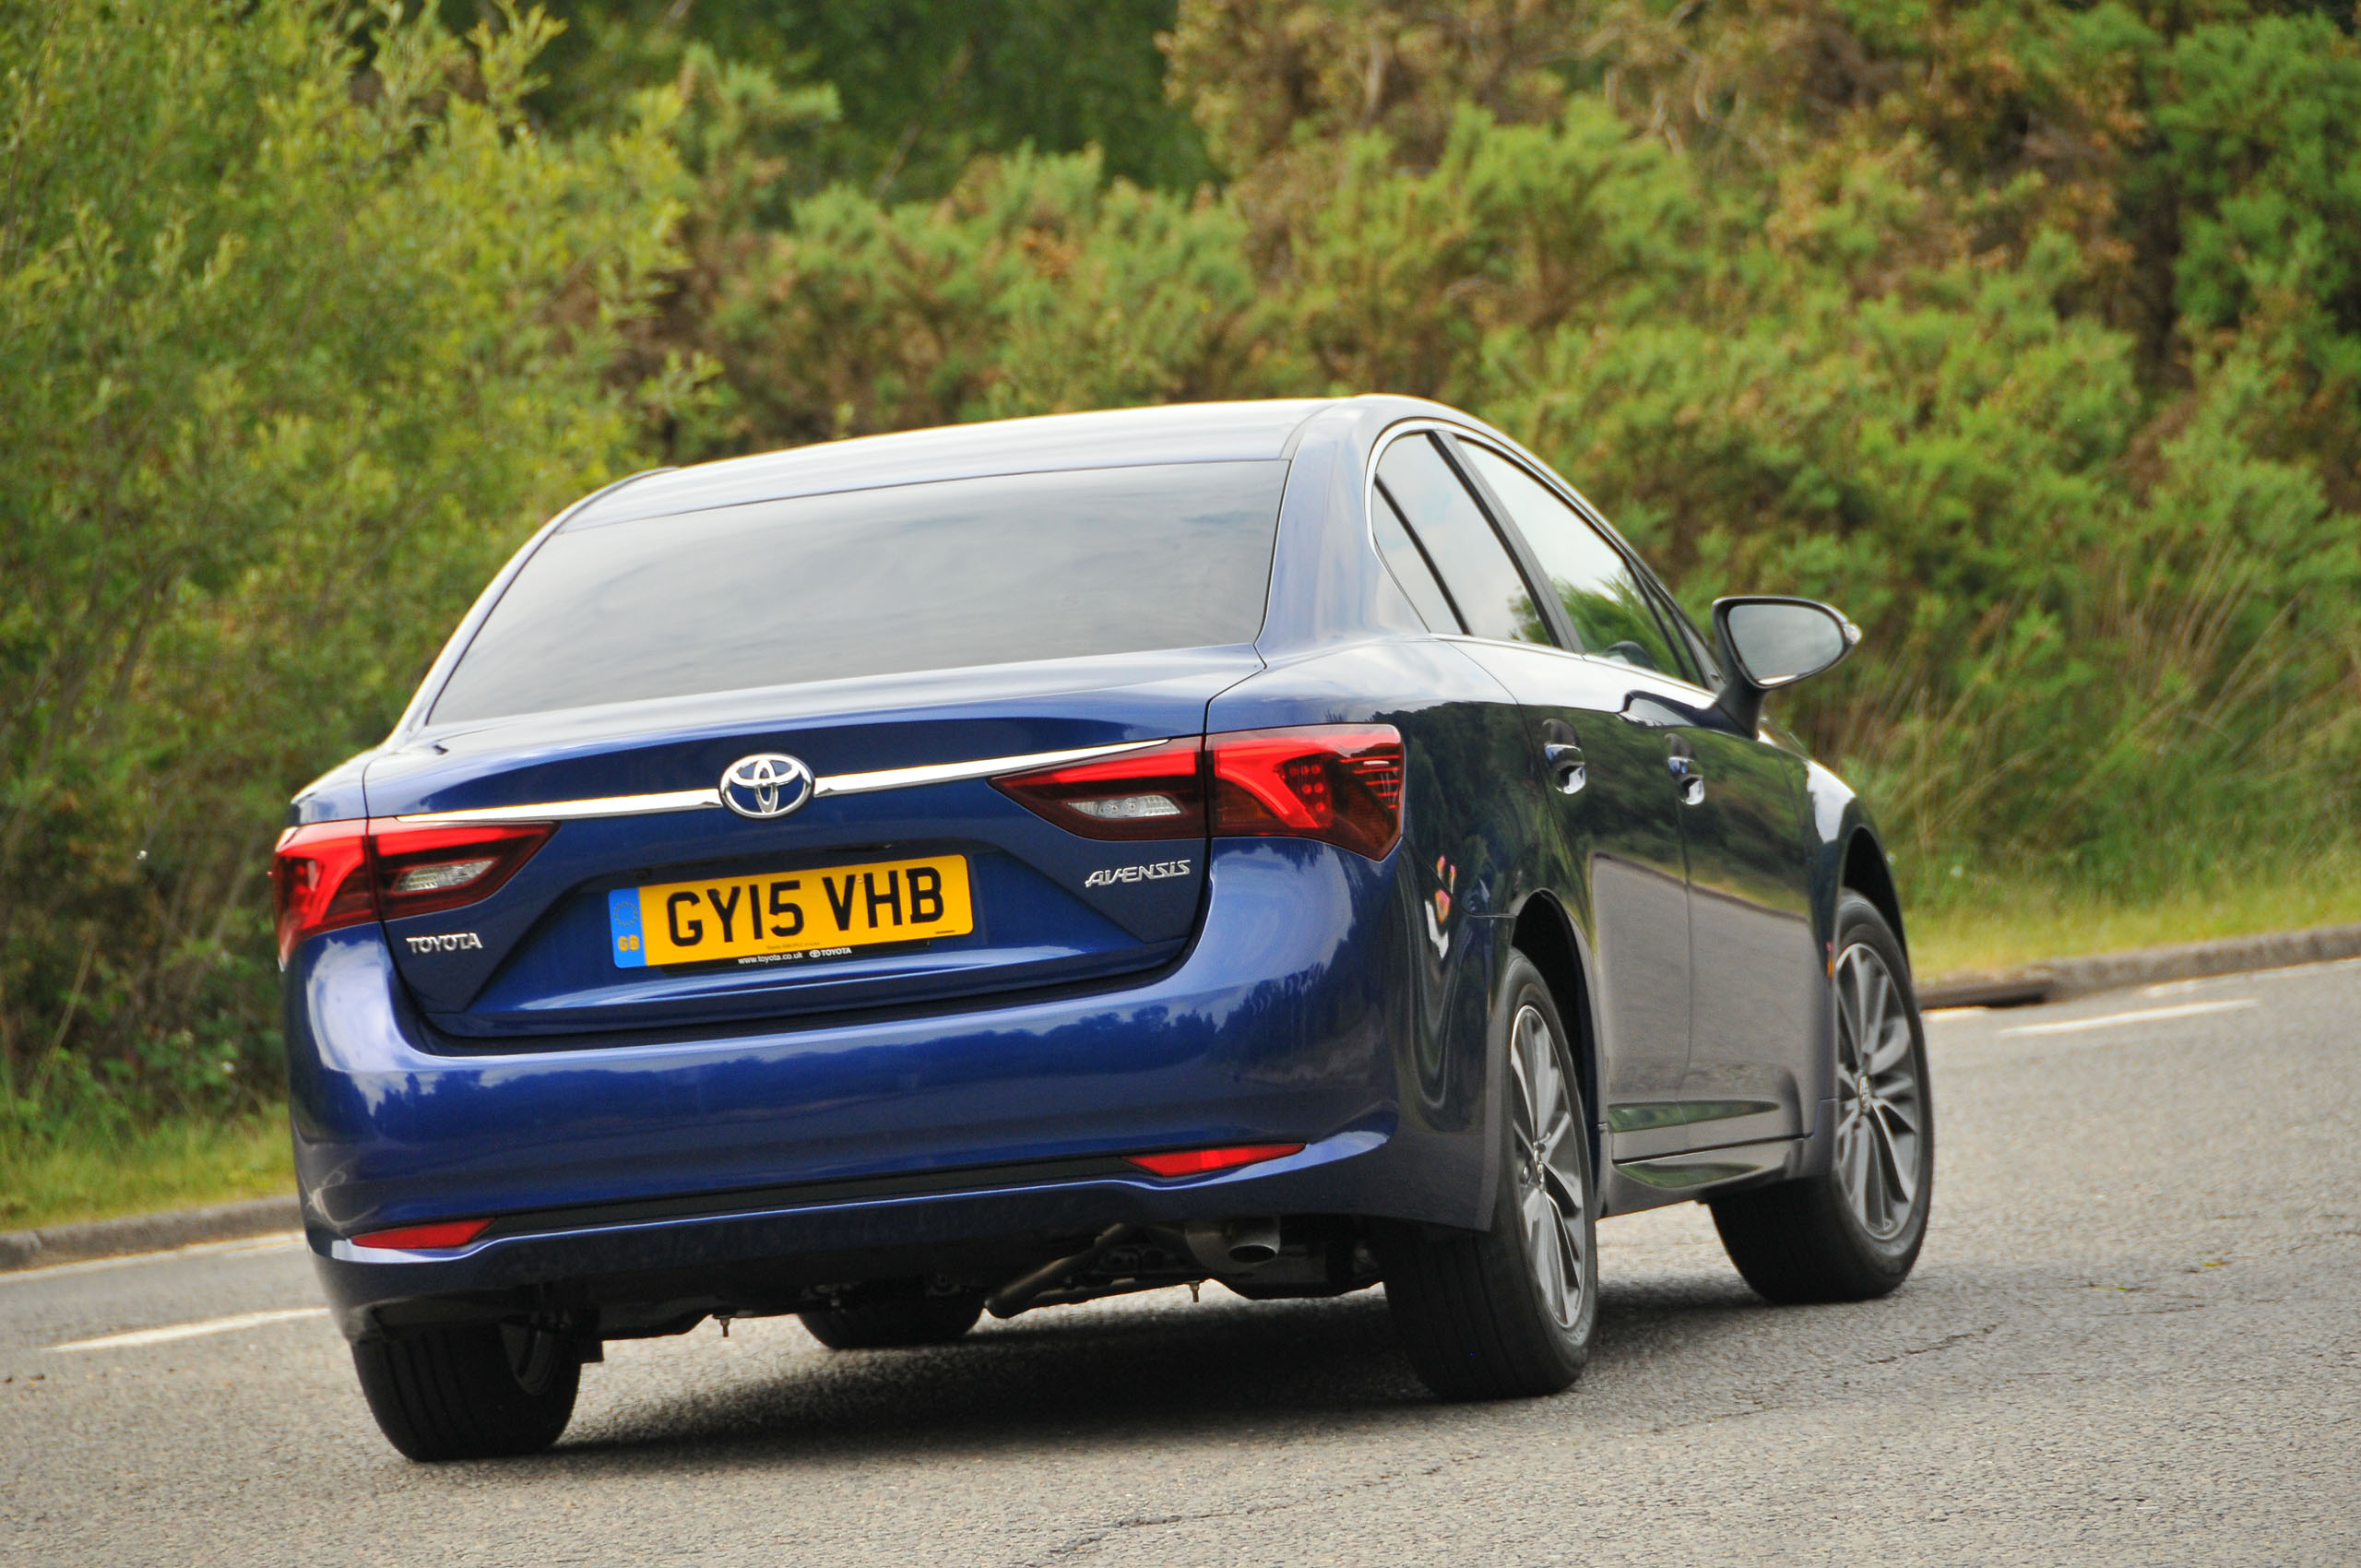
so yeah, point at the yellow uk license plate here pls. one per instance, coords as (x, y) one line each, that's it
(781, 915)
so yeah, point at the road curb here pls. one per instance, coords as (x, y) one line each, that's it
(147, 1233)
(2063, 978)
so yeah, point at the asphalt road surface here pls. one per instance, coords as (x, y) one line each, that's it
(2135, 1335)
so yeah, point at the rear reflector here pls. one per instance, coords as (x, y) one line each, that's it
(1197, 1162)
(328, 875)
(424, 1237)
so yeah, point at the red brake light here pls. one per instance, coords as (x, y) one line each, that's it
(1338, 782)
(328, 875)
(319, 880)
(1198, 1162)
(1157, 793)
(425, 1238)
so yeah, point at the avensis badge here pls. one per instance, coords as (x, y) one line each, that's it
(765, 785)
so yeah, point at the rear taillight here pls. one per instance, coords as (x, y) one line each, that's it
(422, 870)
(1158, 793)
(1340, 782)
(327, 874)
(319, 880)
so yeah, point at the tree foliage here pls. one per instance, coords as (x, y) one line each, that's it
(2023, 331)
(2029, 333)
(292, 349)
(923, 86)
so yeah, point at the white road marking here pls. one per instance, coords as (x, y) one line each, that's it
(2116, 1020)
(1938, 1014)
(171, 1332)
(284, 1242)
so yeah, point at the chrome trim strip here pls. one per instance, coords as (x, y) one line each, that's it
(571, 810)
(951, 772)
(835, 784)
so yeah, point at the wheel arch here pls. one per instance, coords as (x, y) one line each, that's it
(1866, 873)
(1546, 933)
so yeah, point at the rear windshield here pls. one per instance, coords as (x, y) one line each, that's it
(876, 582)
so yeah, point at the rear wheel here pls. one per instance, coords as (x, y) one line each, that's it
(1512, 1313)
(481, 1391)
(1853, 1232)
(894, 1323)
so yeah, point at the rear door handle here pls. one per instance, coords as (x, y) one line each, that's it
(1567, 770)
(1689, 776)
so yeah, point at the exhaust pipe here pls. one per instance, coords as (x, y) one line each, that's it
(1232, 1246)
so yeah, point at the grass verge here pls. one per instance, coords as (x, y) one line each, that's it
(65, 1175)
(1997, 925)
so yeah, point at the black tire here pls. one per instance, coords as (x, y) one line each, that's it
(1510, 1313)
(894, 1323)
(484, 1391)
(1814, 1239)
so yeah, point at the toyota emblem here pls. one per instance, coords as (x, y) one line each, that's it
(765, 785)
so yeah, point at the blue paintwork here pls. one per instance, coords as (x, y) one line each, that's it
(1285, 991)
(544, 965)
(1271, 1029)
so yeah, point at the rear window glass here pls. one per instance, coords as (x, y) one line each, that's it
(877, 582)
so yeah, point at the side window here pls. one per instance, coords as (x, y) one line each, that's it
(1412, 570)
(1484, 583)
(1700, 652)
(1606, 602)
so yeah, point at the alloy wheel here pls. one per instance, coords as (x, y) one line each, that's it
(1549, 1167)
(1880, 1103)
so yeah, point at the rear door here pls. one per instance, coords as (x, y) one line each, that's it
(876, 660)
(1753, 974)
(1616, 824)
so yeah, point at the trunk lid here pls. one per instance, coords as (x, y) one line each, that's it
(539, 958)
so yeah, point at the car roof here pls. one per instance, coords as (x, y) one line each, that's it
(1181, 433)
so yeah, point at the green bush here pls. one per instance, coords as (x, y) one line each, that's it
(2031, 333)
(921, 86)
(295, 350)
(2022, 332)
(1035, 285)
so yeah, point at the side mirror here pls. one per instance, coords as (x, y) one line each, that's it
(1767, 643)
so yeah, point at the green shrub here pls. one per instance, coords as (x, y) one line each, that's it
(2029, 334)
(294, 351)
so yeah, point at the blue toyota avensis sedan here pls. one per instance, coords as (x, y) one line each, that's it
(1294, 844)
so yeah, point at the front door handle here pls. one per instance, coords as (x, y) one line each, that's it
(1567, 770)
(1689, 776)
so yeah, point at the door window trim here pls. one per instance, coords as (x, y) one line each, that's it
(1521, 551)
(1651, 590)
(1450, 599)
(1512, 543)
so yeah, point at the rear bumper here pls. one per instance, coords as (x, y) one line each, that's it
(816, 1154)
(753, 1257)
